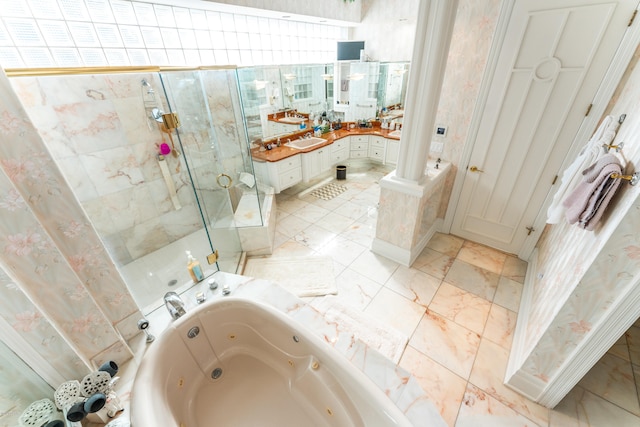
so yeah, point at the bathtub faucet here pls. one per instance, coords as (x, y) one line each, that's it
(174, 304)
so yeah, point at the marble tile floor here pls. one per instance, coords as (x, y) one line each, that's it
(458, 303)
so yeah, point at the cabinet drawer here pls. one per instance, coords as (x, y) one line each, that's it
(377, 142)
(289, 178)
(289, 163)
(359, 145)
(360, 138)
(355, 154)
(338, 156)
(339, 144)
(376, 153)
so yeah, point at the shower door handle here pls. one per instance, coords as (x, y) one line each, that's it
(475, 169)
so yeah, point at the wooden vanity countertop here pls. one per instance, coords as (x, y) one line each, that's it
(278, 153)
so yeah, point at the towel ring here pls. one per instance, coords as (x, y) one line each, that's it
(229, 180)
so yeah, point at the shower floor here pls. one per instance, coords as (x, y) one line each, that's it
(164, 270)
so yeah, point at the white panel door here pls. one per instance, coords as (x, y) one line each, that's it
(549, 68)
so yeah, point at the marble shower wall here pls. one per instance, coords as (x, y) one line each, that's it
(61, 292)
(580, 273)
(98, 132)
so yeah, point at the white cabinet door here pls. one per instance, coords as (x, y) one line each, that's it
(391, 156)
(315, 163)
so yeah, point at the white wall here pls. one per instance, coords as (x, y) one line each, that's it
(388, 28)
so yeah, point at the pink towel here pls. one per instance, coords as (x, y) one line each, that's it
(588, 201)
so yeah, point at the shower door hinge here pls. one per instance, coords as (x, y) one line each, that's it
(212, 258)
(530, 230)
(555, 178)
(633, 18)
(588, 110)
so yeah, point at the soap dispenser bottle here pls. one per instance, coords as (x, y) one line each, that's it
(195, 270)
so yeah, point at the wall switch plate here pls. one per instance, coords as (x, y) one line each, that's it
(437, 147)
(441, 130)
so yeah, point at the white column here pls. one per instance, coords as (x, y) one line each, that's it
(407, 213)
(430, 51)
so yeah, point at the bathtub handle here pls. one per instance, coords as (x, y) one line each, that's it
(229, 180)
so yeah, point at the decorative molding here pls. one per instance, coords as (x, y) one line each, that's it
(517, 356)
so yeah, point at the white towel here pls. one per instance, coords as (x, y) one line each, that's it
(571, 177)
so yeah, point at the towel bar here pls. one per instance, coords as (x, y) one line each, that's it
(633, 179)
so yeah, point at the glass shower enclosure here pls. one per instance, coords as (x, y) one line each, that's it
(211, 135)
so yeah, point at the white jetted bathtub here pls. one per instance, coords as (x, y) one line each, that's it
(235, 362)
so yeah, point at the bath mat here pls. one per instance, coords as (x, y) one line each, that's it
(329, 191)
(302, 276)
(385, 339)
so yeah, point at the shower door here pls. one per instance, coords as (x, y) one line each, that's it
(212, 138)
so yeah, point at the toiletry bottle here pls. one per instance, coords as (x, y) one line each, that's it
(195, 270)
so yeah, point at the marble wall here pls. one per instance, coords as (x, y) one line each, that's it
(99, 133)
(60, 290)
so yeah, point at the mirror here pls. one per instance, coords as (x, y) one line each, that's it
(393, 85)
(276, 99)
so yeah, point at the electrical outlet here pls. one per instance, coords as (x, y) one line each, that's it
(441, 130)
(437, 147)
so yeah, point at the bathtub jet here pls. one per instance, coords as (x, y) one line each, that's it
(252, 365)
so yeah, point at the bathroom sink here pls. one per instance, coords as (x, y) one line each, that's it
(395, 133)
(293, 120)
(301, 144)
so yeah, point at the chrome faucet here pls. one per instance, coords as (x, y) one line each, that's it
(174, 304)
(307, 135)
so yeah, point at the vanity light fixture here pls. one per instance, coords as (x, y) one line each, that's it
(289, 76)
(327, 76)
(355, 76)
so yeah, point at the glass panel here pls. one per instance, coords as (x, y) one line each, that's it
(19, 387)
(214, 143)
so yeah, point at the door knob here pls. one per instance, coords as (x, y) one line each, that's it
(475, 169)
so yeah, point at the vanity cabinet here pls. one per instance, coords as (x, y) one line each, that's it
(340, 151)
(359, 146)
(377, 146)
(391, 156)
(282, 174)
(315, 163)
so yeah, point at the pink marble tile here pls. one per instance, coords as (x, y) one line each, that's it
(355, 289)
(515, 269)
(444, 388)
(479, 409)
(473, 279)
(434, 263)
(414, 285)
(633, 341)
(488, 375)
(581, 408)
(482, 256)
(508, 294)
(446, 244)
(395, 310)
(612, 379)
(500, 326)
(446, 342)
(462, 307)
